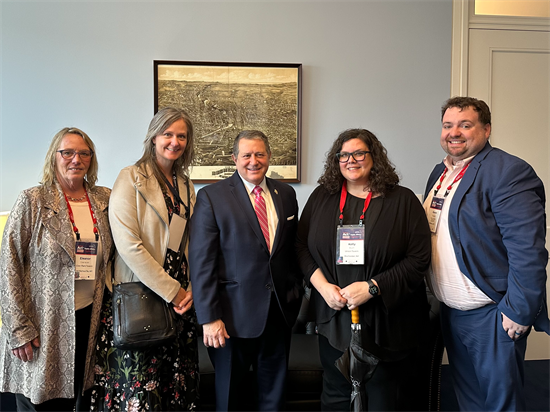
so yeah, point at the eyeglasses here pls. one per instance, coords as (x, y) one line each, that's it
(70, 154)
(358, 155)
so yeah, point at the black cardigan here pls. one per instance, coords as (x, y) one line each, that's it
(397, 256)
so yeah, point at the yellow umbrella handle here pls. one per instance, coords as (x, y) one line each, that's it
(355, 315)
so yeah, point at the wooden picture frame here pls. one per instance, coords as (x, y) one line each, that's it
(223, 99)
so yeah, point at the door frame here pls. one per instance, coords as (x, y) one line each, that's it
(464, 19)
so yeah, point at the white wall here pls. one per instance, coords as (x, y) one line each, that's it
(381, 65)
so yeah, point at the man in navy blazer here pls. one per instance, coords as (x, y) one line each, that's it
(247, 286)
(488, 222)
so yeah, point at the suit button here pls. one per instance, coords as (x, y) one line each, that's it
(268, 286)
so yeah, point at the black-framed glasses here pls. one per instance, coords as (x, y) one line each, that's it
(69, 154)
(358, 155)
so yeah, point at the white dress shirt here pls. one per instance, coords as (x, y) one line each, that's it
(272, 218)
(446, 281)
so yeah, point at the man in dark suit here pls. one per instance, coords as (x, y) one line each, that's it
(245, 277)
(488, 223)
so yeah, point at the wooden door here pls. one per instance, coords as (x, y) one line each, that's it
(510, 70)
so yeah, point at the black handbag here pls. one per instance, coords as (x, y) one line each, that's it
(141, 318)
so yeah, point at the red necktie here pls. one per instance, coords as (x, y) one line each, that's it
(261, 212)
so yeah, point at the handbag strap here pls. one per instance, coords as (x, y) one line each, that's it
(113, 270)
(188, 217)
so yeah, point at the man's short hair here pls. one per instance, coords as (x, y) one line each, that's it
(250, 135)
(483, 111)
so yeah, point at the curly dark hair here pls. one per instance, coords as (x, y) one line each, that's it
(383, 176)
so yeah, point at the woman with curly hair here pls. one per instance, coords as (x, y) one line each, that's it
(381, 271)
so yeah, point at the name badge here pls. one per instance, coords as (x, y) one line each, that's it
(350, 245)
(435, 212)
(85, 259)
(177, 226)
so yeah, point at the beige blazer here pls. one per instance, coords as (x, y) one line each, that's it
(37, 294)
(140, 227)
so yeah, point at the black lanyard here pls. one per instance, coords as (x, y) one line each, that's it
(175, 191)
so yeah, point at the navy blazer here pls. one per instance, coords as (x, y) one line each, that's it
(497, 224)
(232, 272)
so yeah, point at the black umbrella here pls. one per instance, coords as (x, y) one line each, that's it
(357, 365)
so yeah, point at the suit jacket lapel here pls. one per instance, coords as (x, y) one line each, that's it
(241, 196)
(466, 182)
(279, 209)
(436, 173)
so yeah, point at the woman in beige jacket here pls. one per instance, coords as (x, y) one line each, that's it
(147, 199)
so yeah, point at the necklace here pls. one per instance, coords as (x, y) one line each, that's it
(78, 199)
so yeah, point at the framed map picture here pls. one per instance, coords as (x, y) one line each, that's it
(223, 99)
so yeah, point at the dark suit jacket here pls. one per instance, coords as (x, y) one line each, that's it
(498, 227)
(232, 272)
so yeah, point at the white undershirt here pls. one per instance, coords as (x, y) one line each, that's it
(84, 289)
(446, 281)
(272, 218)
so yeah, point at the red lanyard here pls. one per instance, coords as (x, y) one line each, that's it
(457, 178)
(343, 196)
(71, 217)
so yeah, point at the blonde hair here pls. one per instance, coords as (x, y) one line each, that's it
(49, 170)
(160, 122)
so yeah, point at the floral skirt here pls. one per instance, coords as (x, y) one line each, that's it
(162, 378)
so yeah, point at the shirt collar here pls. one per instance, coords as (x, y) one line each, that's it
(250, 186)
(458, 165)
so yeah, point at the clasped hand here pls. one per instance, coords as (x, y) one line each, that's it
(352, 296)
(183, 301)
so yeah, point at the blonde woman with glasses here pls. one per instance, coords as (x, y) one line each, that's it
(53, 260)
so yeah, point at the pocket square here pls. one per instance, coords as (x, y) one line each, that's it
(290, 218)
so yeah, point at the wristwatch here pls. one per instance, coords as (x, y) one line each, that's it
(373, 289)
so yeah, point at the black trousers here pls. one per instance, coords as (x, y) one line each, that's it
(267, 355)
(388, 389)
(80, 401)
